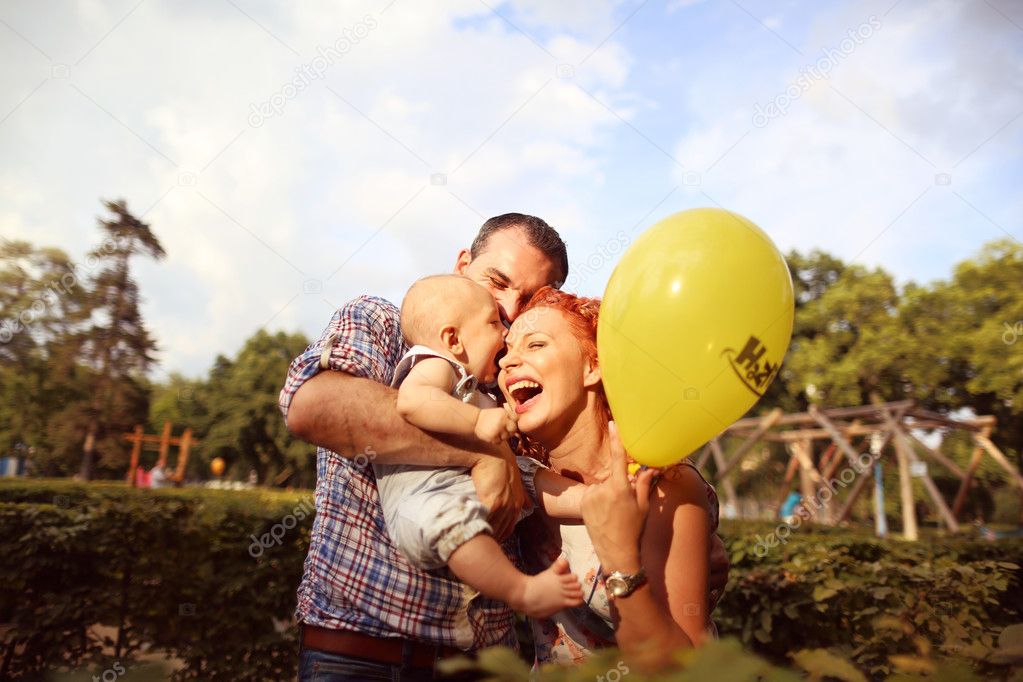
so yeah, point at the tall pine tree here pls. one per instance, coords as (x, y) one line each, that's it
(115, 343)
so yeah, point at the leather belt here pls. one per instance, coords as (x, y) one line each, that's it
(379, 649)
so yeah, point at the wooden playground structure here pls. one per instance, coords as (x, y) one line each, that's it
(880, 425)
(163, 442)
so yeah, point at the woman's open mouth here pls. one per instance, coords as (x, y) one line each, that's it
(524, 393)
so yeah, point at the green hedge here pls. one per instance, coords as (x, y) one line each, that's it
(171, 570)
(210, 576)
(867, 600)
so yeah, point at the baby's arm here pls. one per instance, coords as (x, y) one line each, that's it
(559, 496)
(425, 400)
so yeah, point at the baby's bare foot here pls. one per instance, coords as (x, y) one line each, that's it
(548, 592)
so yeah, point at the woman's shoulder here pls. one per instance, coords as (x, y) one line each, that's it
(682, 484)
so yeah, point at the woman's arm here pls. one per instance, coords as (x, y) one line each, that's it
(614, 513)
(675, 550)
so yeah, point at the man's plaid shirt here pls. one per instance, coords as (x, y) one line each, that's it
(354, 578)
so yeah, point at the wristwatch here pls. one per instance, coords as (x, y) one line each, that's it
(622, 584)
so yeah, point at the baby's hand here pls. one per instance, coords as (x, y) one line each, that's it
(495, 424)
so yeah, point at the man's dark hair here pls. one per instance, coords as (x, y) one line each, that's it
(539, 234)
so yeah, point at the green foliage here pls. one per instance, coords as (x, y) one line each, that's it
(113, 340)
(866, 600)
(950, 345)
(243, 422)
(167, 569)
(74, 349)
(177, 571)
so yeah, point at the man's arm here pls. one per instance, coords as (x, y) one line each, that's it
(352, 416)
(336, 396)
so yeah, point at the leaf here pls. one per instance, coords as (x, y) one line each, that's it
(913, 664)
(821, 593)
(820, 663)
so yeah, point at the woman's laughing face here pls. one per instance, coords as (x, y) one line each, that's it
(545, 373)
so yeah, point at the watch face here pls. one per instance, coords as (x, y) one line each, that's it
(616, 586)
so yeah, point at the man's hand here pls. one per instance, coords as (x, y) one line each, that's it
(500, 489)
(718, 570)
(495, 425)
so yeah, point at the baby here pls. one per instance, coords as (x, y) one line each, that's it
(433, 515)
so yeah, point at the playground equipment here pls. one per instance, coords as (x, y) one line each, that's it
(139, 440)
(887, 427)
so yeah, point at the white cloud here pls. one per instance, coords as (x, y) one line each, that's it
(348, 179)
(844, 169)
(246, 220)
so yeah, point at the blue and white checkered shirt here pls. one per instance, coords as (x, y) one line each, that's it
(354, 578)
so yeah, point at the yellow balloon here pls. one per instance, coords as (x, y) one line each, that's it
(694, 323)
(217, 466)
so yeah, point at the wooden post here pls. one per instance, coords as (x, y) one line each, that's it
(940, 456)
(808, 475)
(862, 481)
(704, 455)
(783, 491)
(726, 483)
(186, 442)
(985, 442)
(766, 423)
(901, 442)
(909, 529)
(857, 489)
(971, 469)
(136, 452)
(165, 439)
(880, 518)
(851, 456)
(826, 459)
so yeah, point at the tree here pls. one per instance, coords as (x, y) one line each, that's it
(41, 301)
(115, 342)
(244, 423)
(812, 276)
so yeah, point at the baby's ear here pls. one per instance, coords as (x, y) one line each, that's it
(452, 339)
(591, 376)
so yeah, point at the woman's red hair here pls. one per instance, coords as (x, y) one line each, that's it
(581, 314)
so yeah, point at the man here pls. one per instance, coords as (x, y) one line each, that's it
(364, 609)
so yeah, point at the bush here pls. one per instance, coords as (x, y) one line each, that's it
(209, 577)
(868, 600)
(169, 569)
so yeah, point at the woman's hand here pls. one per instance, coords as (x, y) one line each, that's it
(615, 510)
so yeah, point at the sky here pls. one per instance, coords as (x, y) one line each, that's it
(291, 156)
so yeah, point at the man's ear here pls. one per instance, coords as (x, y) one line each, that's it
(591, 377)
(452, 340)
(463, 260)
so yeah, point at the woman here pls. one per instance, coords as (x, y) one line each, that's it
(555, 389)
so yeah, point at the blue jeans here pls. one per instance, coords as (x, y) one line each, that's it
(320, 666)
